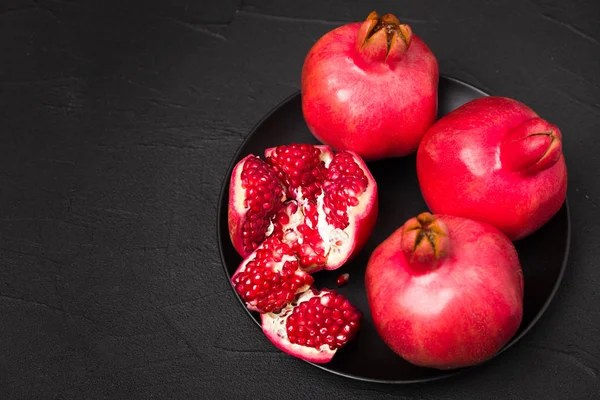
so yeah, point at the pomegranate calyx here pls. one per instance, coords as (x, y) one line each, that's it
(383, 38)
(533, 146)
(425, 241)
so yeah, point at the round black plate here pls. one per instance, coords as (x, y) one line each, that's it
(543, 255)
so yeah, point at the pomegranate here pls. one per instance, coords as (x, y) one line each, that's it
(494, 160)
(370, 87)
(301, 210)
(314, 326)
(445, 292)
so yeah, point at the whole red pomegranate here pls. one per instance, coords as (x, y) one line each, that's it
(495, 160)
(370, 87)
(445, 292)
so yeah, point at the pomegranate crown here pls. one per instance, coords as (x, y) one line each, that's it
(531, 147)
(425, 241)
(383, 38)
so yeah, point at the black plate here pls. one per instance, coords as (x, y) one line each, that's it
(543, 255)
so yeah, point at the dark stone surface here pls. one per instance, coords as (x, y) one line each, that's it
(118, 121)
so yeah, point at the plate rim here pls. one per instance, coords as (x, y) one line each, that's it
(224, 195)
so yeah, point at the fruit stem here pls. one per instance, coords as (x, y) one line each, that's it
(531, 147)
(425, 241)
(383, 39)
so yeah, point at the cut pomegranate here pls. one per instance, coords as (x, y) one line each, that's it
(323, 205)
(270, 279)
(314, 326)
(301, 210)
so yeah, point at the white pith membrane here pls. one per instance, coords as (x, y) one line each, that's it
(274, 326)
(335, 241)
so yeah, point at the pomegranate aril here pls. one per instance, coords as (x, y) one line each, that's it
(343, 279)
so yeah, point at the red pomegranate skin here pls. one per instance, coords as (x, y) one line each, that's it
(469, 165)
(455, 314)
(357, 100)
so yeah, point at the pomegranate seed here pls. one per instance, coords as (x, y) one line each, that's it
(338, 301)
(343, 279)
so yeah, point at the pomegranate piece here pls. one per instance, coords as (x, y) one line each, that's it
(445, 292)
(323, 205)
(314, 326)
(370, 87)
(494, 160)
(270, 277)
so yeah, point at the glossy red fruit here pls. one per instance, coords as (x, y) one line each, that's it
(445, 292)
(301, 210)
(495, 160)
(314, 326)
(370, 87)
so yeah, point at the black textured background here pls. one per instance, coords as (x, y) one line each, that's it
(118, 120)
